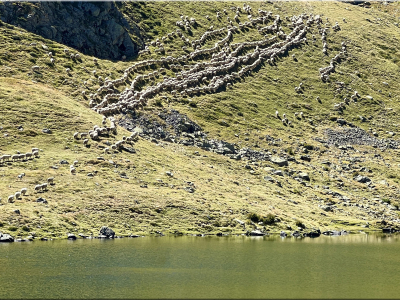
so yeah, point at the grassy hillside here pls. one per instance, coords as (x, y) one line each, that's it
(146, 200)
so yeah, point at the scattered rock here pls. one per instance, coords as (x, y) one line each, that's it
(326, 208)
(6, 238)
(189, 189)
(256, 233)
(304, 176)
(358, 136)
(46, 130)
(362, 179)
(71, 236)
(279, 161)
(269, 178)
(305, 157)
(41, 200)
(128, 149)
(64, 162)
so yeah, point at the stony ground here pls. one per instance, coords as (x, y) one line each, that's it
(210, 163)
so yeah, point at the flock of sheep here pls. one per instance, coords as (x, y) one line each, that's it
(20, 157)
(224, 66)
(38, 188)
(97, 132)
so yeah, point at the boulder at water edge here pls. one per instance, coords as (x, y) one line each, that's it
(107, 231)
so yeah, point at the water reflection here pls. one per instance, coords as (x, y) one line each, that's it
(351, 266)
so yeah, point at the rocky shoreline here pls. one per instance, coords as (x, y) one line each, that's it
(108, 233)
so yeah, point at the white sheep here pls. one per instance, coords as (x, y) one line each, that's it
(10, 198)
(37, 188)
(76, 135)
(277, 114)
(17, 195)
(44, 186)
(50, 180)
(85, 142)
(73, 171)
(24, 191)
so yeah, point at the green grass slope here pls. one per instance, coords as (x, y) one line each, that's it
(149, 200)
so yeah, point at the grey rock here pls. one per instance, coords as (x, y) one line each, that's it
(47, 131)
(107, 232)
(17, 211)
(362, 179)
(41, 200)
(295, 234)
(304, 176)
(6, 238)
(189, 189)
(278, 172)
(269, 178)
(269, 169)
(326, 208)
(71, 236)
(64, 162)
(279, 161)
(256, 233)
(283, 234)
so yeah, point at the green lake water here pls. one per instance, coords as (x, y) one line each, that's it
(353, 266)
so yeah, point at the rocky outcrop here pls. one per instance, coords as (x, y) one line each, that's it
(94, 28)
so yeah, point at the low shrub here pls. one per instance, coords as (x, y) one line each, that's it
(300, 224)
(269, 219)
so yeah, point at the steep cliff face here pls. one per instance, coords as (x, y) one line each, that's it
(94, 28)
